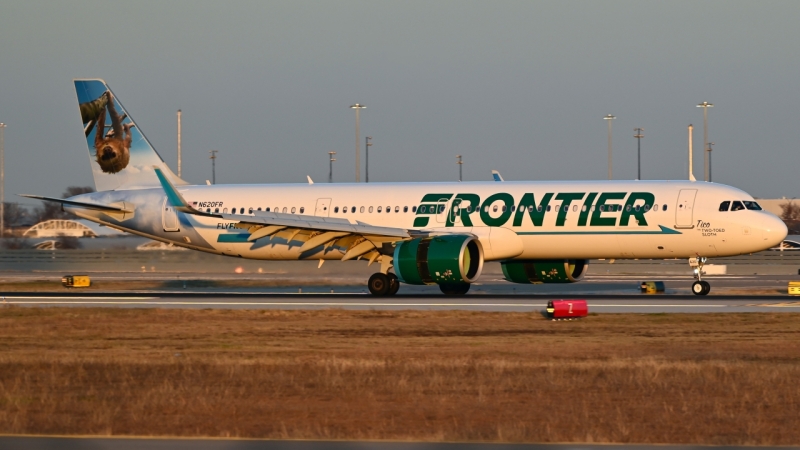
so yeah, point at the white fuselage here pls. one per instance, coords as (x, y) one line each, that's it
(579, 220)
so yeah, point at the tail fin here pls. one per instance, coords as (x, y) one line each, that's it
(120, 155)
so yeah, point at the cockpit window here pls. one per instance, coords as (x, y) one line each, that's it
(737, 206)
(753, 206)
(724, 206)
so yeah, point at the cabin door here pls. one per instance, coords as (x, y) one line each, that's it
(683, 210)
(169, 217)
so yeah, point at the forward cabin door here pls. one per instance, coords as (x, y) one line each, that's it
(169, 217)
(323, 208)
(684, 208)
(441, 210)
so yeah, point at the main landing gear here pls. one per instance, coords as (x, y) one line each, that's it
(383, 284)
(699, 287)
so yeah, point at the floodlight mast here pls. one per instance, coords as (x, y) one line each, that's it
(609, 118)
(358, 107)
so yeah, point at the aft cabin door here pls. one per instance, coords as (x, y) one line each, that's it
(683, 210)
(169, 217)
(323, 207)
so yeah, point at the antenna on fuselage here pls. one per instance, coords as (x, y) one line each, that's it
(691, 175)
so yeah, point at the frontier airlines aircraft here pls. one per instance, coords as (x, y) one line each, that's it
(415, 233)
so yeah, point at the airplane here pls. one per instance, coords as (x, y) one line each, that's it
(416, 233)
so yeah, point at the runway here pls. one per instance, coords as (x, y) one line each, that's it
(480, 302)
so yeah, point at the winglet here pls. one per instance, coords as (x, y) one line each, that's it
(310, 181)
(496, 175)
(175, 198)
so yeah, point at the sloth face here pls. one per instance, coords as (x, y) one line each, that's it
(112, 155)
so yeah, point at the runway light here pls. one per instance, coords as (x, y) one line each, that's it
(239, 270)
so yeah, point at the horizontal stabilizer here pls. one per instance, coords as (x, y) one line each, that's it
(93, 206)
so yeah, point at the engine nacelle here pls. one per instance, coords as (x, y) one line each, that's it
(545, 271)
(439, 260)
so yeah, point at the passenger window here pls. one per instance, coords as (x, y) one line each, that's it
(380, 209)
(566, 208)
(627, 207)
(737, 206)
(353, 209)
(530, 208)
(602, 207)
(663, 207)
(753, 206)
(266, 209)
(259, 208)
(513, 208)
(396, 209)
(241, 211)
(724, 206)
(583, 208)
(637, 207)
(414, 209)
(574, 208)
(388, 209)
(370, 209)
(336, 210)
(293, 209)
(302, 209)
(486, 209)
(646, 208)
(405, 209)
(208, 210)
(548, 208)
(344, 210)
(216, 210)
(539, 208)
(469, 209)
(284, 209)
(225, 211)
(504, 208)
(655, 207)
(361, 209)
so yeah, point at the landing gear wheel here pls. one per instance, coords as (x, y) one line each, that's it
(454, 288)
(379, 284)
(701, 288)
(394, 284)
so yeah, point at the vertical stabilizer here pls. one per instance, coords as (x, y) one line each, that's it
(120, 155)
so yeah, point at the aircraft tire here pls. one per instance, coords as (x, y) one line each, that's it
(379, 284)
(394, 284)
(701, 288)
(454, 288)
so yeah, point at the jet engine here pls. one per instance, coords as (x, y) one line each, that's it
(544, 270)
(443, 260)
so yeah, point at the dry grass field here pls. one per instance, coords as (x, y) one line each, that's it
(334, 374)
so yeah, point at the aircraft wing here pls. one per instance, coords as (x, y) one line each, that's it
(360, 239)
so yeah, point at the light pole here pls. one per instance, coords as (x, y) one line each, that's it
(2, 182)
(639, 137)
(460, 165)
(358, 107)
(709, 160)
(331, 159)
(609, 118)
(706, 160)
(366, 149)
(179, 143)
(213, 158)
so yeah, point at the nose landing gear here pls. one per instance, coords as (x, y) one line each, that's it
(699, 287)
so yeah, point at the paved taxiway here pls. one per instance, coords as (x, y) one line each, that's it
(478, 302)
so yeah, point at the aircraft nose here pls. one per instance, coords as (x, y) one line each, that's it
(774, 230)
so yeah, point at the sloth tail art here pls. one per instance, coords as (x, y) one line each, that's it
(91, 111)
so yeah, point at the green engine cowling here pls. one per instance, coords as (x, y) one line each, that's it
(443, 259)
(536, 271)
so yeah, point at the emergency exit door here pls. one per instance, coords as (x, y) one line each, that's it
(684, 208)
(323, 208)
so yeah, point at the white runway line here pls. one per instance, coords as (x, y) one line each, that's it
(341, 304)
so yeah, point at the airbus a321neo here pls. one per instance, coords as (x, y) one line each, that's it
(415, 233)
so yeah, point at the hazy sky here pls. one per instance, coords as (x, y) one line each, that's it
(521, 87)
